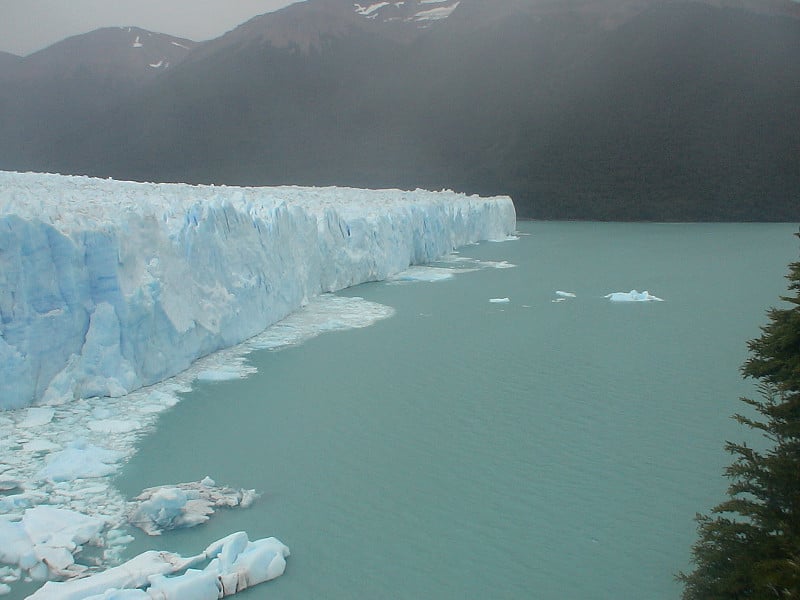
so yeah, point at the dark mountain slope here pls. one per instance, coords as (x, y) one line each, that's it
(679, 111)
(8, 61)
(65, 86)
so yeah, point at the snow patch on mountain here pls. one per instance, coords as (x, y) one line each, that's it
(436, 14)
(368, 10)
(418, 11)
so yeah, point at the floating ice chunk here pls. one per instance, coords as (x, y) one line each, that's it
(565, 294)
(427, 274)
(36, 417)
(226, 549)
(38, 446)
(322, 314)
(474, 263)
(163, 508)
(113, 426)
(80, 460)
(53, 526)
(499, 300)
(633, 296)
(44, 542)
(235, 564)
(502, 264)
(133, 574)
(14, 503)
(240, 564)
(194, 584)
(222, 374)
(14, 542)
(9, 484)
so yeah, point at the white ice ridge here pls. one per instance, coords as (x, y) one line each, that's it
(109, 286)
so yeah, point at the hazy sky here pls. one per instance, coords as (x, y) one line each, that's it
(30, 25)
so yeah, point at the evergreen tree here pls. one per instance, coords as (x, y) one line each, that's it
(750, 547)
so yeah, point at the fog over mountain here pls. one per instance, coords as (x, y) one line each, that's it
(591, 109)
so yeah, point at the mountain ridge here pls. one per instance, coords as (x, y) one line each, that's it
(679, 111)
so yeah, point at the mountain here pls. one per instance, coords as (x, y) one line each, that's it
(593, 109)
(54, 90)
(122, 52)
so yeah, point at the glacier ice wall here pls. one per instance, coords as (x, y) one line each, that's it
(107, 286)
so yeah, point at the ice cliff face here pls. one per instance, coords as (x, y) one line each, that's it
(108, 286)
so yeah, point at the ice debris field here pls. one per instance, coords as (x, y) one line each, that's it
(106, 287)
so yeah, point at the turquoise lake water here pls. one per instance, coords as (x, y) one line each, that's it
(469, 449)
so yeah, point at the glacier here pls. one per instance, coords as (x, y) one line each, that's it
(108, 286)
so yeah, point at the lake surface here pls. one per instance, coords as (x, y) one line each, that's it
(469, 449)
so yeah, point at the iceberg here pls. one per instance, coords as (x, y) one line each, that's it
(633, 296)
(234, 564)
(167, 507)
(45, 543)
(109, 286)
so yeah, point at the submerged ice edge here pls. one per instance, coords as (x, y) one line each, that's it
(63, 456)
(446, 268)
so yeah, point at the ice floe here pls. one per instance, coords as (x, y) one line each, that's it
(446, 268)
(37, 416)
(233, 564)
(427, 274)
(167, 507)
(42, 544)
(80, 460)
(47, 541)
(633, 296)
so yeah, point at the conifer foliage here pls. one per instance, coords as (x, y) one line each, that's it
(750, 546)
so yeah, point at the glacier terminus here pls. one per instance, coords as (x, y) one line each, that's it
(108, 286)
